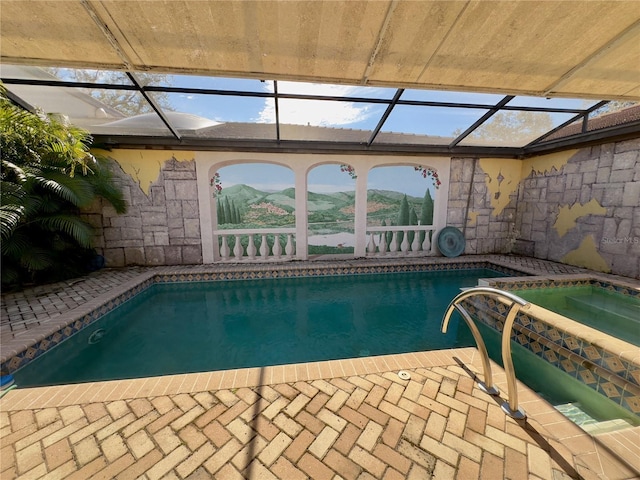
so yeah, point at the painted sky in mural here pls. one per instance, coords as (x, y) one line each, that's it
(326, 179)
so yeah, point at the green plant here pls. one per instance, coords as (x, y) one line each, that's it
(47, 175)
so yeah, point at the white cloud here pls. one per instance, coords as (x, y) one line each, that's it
(314, 112)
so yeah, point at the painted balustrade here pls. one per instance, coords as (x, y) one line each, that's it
(254, 245)
(400, 240)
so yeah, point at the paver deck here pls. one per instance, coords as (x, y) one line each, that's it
(343, 420)
(350, 419)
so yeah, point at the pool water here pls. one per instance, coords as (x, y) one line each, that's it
(204, 326)
(607, 311)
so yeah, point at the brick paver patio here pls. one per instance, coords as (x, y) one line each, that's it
(363, 426)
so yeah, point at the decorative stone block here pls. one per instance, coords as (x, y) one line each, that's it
(154, 218)
(192, 255)
(176, 234)
(624, 161)
(154, 255)
(134, 256)
(174, 209)
(622, 175)
(631, 194)
(157, 195)
(191, 228)
(114, 257)
(112, 234)
(133, 222)
(185, 190)
(612, 195)
(161, 238)
(190, 209)
(131, 233)
(602, 175)
(172, 255)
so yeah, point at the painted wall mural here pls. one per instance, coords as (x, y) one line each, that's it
(260, 195)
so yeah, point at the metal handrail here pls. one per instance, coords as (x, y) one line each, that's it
(517, 304)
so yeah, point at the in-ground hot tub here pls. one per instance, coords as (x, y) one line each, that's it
(607, 364)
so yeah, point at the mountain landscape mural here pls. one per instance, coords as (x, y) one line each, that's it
(330, 215)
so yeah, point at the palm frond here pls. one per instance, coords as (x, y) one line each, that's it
(10, 216)
(104, 186)
(36, 259)
(11, 193)
(68, 224)
(19, 243)
(76, 190)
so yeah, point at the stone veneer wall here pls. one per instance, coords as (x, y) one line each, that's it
(608, 174)
(161, 228)
(486, 233)
(597, 187)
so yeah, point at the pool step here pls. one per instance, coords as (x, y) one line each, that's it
(575, 413)
(606, 426)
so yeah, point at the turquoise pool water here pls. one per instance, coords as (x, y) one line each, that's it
(204, 326)
(607, 311)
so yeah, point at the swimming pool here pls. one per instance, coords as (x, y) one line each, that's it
(202, 326)
(605, 310)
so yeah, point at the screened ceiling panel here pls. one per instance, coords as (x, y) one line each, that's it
(53, 32)
(551, 39)
(209, 109)
(73, 105)
(142, 125)
(619, 65)
(220, 108)
(514, 128)
(435, 125)
(328, 120)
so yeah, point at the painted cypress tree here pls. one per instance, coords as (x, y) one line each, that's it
(220, 210)
(413, 220)
(234, 213)
(237, 216)
(383, 223)
(403, 216)
(227, 211)
(426, 214)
